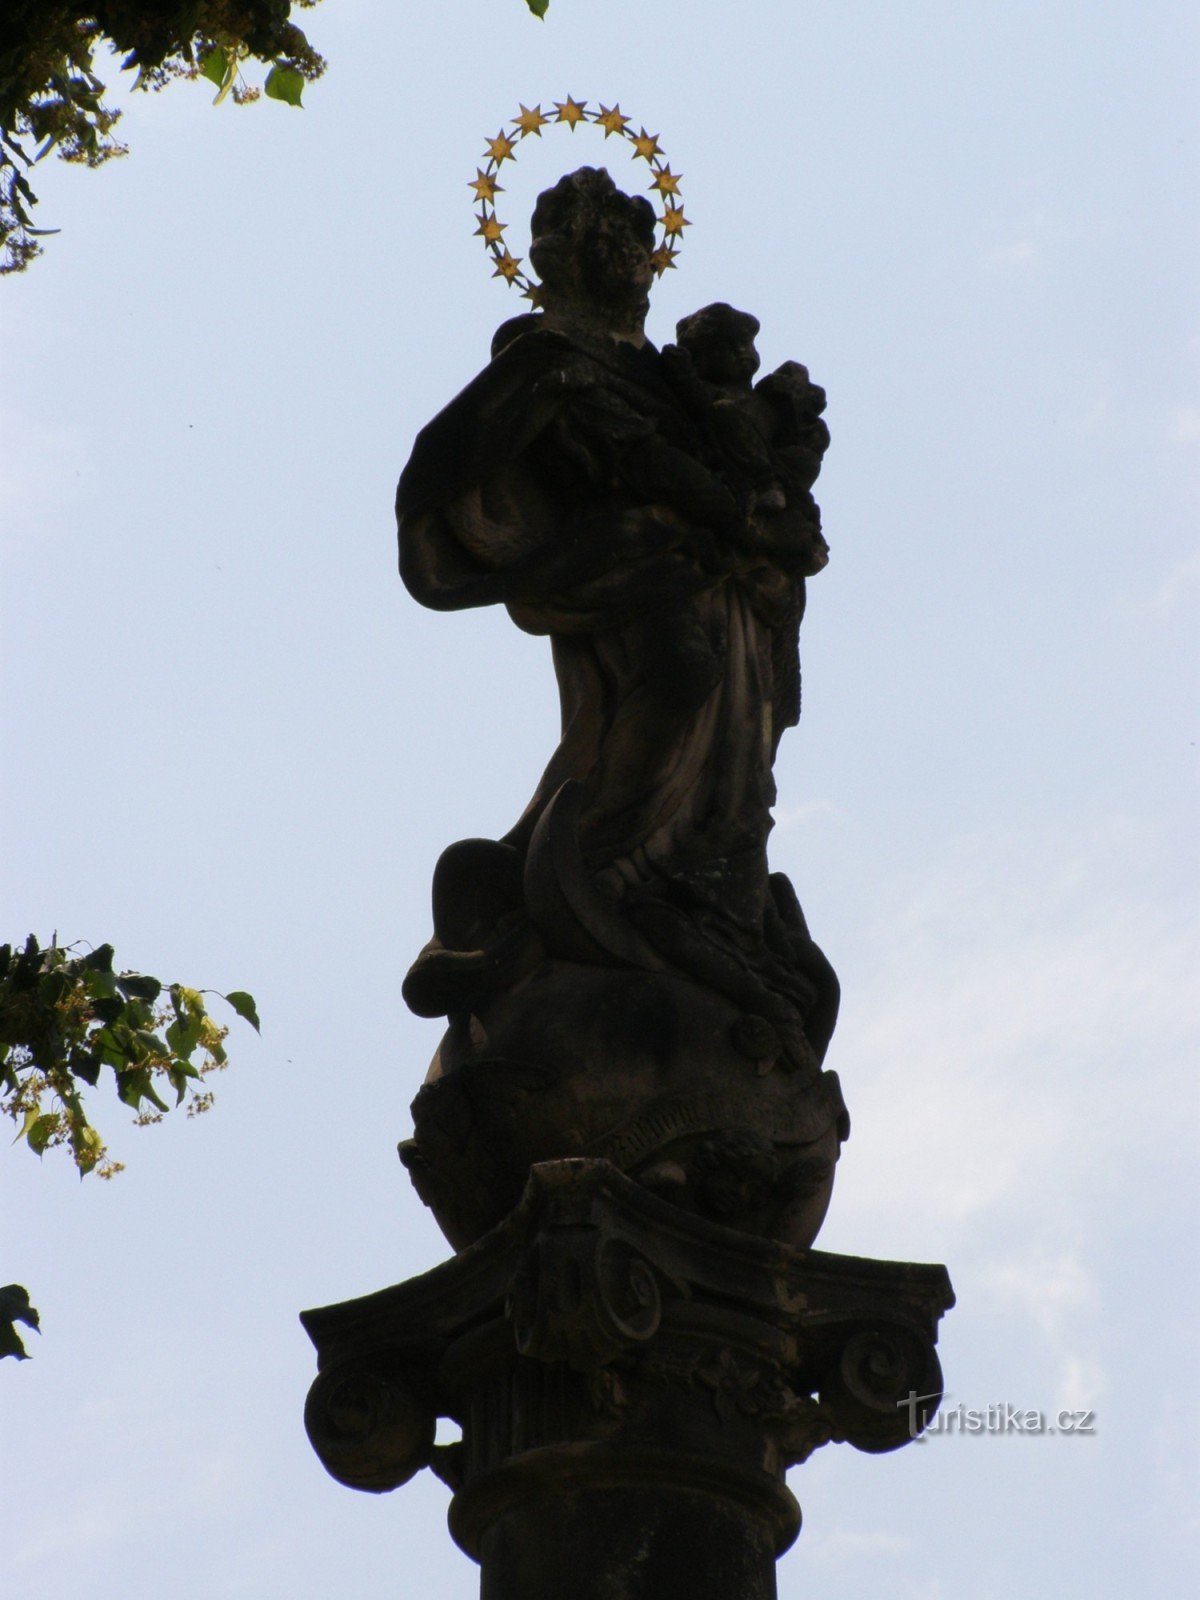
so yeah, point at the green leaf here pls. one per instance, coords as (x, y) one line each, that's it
(109, 1011)
(130, 1044)
(284, 83)
(182, 1038)
(10, 1342)
(538, 7)
(215, 65)
(98, 960)
(181, 1074)
(15, 1307)
(243, 1004)
(27, 1122)
(51, 987)
(85, 1065)
(88, 1147)
(136, 1086)
(101, 985)
(137, 985)
(220, 67)
(138, 1014)
(131, 1086)
(155, 1098)
(28, 965)
(190, 1000)
(42, 1131)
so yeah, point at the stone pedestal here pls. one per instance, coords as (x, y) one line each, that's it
(632, 1383)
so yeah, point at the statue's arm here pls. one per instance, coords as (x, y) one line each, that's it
(540, 483)
(438, 572)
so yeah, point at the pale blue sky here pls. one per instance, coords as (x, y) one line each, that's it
(234, 747)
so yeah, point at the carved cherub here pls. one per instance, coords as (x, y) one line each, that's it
(768, 438)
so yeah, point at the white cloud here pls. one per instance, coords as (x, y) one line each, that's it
(1029, 1007)
(78, 1528)
(1060, 1298)
(1021, 245)
(842, 1544)
(1082, 1385)
(1184, 426)
(1051, 1291)
(1094, 414)
(1019, 257)
(106, 1492)
(788, 818)
(1171, 1497)
(1177, 585)
(34, 465)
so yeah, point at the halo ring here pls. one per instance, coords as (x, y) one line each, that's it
(570, 113)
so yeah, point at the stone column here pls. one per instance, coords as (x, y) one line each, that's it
(632, 1383)
(643, 1542)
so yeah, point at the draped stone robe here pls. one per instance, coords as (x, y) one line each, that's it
(580, 486)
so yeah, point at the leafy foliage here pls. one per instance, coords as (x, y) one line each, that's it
(14, 1308)
(51, 97)
(65, 1019)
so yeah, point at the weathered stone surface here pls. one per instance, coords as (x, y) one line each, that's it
(627, 1544)
(648, 1070)
(615, 1362)
(625, 948)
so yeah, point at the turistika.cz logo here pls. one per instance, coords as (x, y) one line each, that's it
(1002, 1417)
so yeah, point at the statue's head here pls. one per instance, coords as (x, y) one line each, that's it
(720, 342)
(591, 248)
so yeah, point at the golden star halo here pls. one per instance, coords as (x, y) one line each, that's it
(664, 183)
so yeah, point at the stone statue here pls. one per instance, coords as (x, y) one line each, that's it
(623, 976)
(627, 1123)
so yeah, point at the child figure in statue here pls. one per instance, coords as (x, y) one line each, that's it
(769, 439)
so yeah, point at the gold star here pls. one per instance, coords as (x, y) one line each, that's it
(533, 293)
(484, 185)
(500, 148)
(490, 227)
(611, 120)
(646, 145)
(666, 181)
(661, 259)
(507, 266)
(530, 121)
(674, 221)
(570, 111)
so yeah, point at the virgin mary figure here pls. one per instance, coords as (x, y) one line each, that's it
(585, 480)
